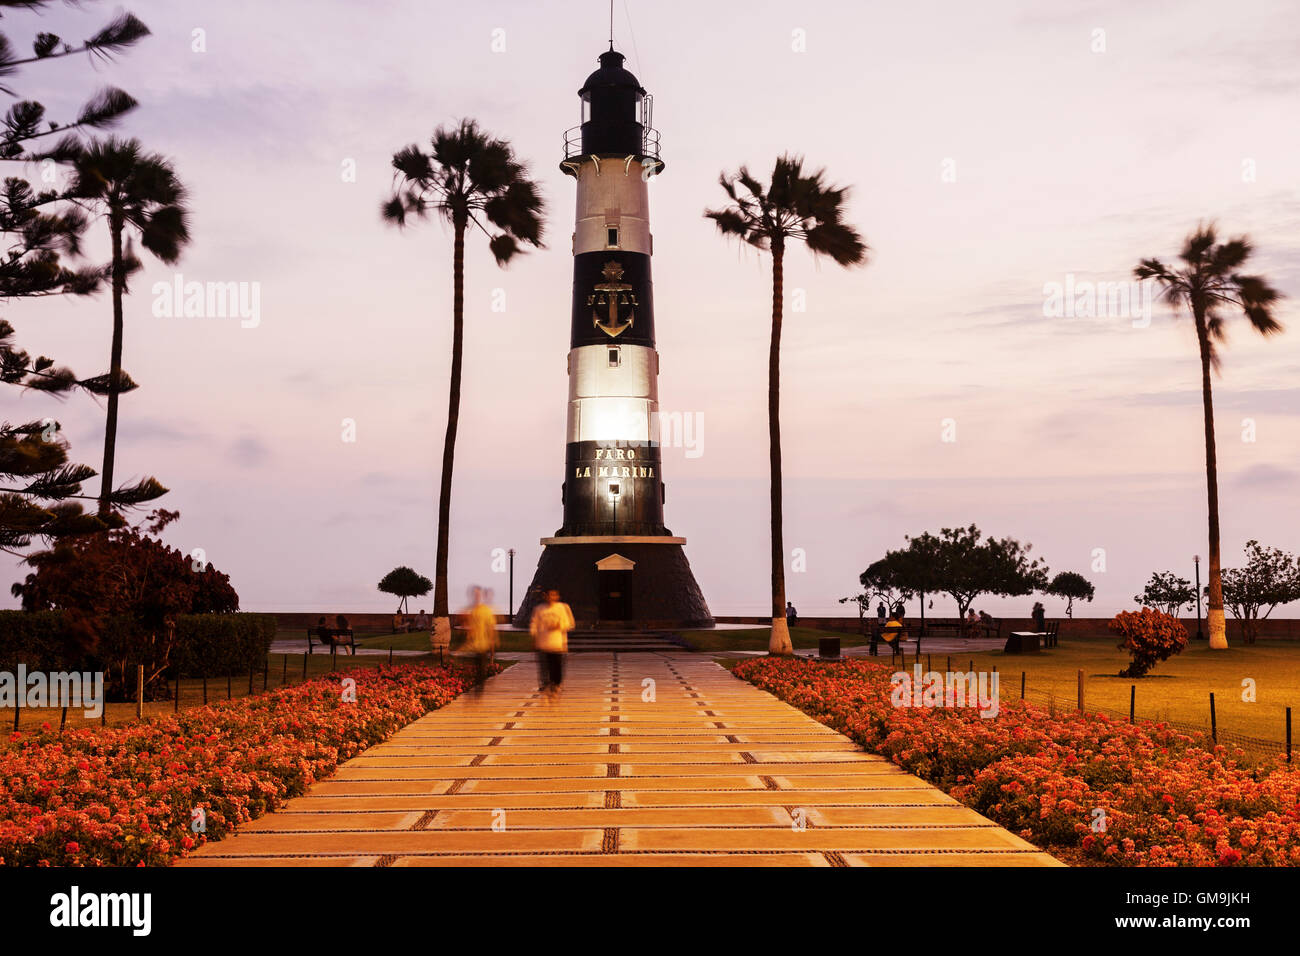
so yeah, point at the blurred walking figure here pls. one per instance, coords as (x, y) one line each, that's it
(551, 623)
(480, 635)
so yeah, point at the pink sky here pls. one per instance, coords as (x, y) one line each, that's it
(1072, 433)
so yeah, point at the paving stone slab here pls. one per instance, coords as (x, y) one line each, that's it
(624, 859)
(822, 839)
(723, 816)
(951, 859)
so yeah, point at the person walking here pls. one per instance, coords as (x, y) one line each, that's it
(551, 623)
(480, 636)
(791, 615)
(893, 636)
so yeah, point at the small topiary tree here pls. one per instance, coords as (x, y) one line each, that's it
(405, 583)
(1073, 587)
(1150, 637)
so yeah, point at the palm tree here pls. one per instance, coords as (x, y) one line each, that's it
(468, 178)
(1206, 285)
(794, 206)
(140, 195)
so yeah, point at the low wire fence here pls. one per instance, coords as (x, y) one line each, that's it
(1209, 733)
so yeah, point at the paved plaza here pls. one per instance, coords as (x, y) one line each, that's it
(646, 759)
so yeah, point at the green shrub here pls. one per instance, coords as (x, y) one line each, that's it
(37, 639)
(205, 644)
(217, 644)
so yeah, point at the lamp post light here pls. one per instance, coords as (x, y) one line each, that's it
(613, 500)
(1196, 559)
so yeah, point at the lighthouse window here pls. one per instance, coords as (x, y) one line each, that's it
(613, 358)
(613, 235)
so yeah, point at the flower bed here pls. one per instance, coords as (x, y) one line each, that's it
(124, 796)
(1093, 789)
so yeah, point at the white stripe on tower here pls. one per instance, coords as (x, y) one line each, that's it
(613, 391)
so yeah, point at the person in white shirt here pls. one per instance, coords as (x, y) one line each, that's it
(551, 623)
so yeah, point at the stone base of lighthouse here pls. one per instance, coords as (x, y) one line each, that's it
(637, 582)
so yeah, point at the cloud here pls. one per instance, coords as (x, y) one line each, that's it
(1268, 477)
(249, 451)
(1260, 401)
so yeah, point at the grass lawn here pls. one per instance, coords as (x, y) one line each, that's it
(1177, 690)
(419, 641)
(803, 638)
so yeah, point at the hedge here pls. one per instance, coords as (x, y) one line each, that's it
(35, 639)
(215, 644)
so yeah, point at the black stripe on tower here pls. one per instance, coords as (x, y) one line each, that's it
(591, 467)
(613, 301)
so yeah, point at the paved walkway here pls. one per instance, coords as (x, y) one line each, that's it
(711, 772)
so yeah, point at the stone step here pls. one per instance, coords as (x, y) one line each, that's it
(609, 640)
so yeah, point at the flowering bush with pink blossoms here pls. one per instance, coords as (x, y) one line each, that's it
(124, 796)
(1093, 789)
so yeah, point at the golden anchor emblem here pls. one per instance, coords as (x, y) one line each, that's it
(612, 293)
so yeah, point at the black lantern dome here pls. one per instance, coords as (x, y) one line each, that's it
(615, 115)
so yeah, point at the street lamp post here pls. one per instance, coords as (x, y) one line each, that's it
(613, 498)
(511, 552)
(1196, 559)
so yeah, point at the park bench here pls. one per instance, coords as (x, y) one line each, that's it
(331, 636)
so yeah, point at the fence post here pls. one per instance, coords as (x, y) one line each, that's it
(250, 678)
(949, 665)
(63, 718)
(284, 671)
(266, 670)
(139, 690)
(1081, 690)
(205, 688)
(390, 655)
(304, 667)
(176, 699)
(1288, 735)
(230, 684)
(334, 656)
(1022, 685)
(1214, 724)
(19, 692)
(1132, 700)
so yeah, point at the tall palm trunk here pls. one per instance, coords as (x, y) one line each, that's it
(440, 637)
(1215, 618)
(116, 224)
(780, 641)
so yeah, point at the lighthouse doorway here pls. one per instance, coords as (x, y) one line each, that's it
(613, 581)
(612, 587)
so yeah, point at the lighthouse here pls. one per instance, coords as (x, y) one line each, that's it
(613, 560)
